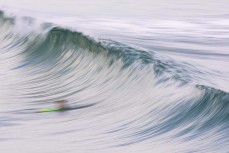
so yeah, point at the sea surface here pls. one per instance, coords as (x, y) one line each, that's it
(155, 72)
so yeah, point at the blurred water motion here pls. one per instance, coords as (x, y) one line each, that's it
(154, 74)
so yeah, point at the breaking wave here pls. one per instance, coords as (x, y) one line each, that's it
(141, 98)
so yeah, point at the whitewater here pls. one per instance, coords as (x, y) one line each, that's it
(155, 75)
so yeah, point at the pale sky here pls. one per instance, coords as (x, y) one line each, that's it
(147, 8)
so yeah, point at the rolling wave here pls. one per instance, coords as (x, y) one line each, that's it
(142, 98)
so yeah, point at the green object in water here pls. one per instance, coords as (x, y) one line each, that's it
(50, 110)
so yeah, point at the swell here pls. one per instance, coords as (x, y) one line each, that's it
(62, 63)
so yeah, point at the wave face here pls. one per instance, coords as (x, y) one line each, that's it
(144, 99)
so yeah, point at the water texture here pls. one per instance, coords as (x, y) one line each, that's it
(155, 81)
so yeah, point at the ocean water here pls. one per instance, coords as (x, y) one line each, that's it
(156, 74)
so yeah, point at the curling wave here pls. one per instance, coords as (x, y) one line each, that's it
(141, 98)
